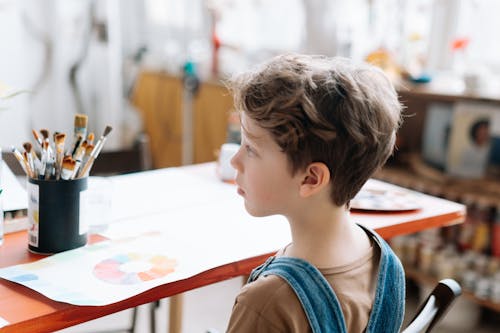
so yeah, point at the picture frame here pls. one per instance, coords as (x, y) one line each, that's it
(436, 134)
(470, 140)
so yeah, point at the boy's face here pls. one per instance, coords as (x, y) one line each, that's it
(263, 177)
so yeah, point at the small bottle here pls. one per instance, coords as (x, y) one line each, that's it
(495, 234)
(469, 278)
(480, 241)
(426, 257)
(495, 291)
(482, 288)
(466, 231)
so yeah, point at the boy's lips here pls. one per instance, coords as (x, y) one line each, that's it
(240, 191)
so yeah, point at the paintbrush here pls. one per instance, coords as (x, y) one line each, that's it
(50, 162)
(59, 141)
(95, 152)
(21, 160)
(31, 157)
(68, 167)
(38, 139)
(79, 132)
(76, 145)
(46, 138)
(44, 160)
(81, 125)
(86, 156)
(79, 157)
(90, 138)
(29, 170)
(45, 134)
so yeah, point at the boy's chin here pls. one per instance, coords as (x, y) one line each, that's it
(259, 212)
(255, 212)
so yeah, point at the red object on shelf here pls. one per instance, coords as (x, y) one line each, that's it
(495, 241)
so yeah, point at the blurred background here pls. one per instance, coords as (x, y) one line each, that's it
(85, 56)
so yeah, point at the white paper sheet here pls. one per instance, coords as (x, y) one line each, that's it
(3, 322)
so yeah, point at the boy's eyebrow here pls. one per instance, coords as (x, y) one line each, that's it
(248, 134)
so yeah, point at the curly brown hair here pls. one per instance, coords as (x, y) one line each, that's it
(328, 110)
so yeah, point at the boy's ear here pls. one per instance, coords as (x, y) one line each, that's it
(316, 178)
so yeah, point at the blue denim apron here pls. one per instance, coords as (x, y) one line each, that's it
(320, 303)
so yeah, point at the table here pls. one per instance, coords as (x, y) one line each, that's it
(29, 311)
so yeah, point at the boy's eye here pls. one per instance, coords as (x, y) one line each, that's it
(249, 149)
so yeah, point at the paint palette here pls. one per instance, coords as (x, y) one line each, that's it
(388, 200)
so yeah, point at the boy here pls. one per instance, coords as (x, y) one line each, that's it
(314, 130)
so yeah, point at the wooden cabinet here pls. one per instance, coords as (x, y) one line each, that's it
(159, 98)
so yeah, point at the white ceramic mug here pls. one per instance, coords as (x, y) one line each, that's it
(225, 169)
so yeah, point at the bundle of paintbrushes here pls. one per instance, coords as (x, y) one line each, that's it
(56, 161)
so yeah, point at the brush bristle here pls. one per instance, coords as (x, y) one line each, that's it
(27, 146)
(107, 130)
(81, 120)
(60, 138)
(45, 133)
(89, 149)
(91, 136)
(68, 163)
(35, 134)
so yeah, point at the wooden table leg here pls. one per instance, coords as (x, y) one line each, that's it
(175, 314)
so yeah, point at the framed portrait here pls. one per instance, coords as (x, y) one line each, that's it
(470, 140)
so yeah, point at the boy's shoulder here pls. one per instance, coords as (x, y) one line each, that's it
(265, 291)
(270, 302)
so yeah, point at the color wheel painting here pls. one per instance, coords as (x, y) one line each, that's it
(132, 268)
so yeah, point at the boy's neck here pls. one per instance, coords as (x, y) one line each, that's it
(326, 237)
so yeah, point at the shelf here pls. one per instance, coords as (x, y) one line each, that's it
(443, 93)
(425, 279)
(416, 175)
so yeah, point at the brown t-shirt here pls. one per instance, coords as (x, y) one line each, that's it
(269, 304)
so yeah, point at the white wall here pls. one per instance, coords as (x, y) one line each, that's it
(51, 105)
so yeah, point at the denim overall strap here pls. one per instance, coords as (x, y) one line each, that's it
(258, 270)
(317, 297)
(389, 304)
(320, 302)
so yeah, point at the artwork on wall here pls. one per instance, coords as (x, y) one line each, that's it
(469, 151)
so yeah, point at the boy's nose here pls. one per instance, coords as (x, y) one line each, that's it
(235, 160)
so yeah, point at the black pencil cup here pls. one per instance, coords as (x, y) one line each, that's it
(55, 222)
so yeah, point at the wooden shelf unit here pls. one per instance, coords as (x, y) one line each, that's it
(407, 169)
(431, 281)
